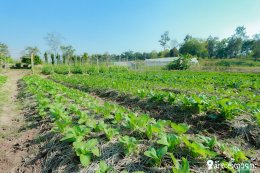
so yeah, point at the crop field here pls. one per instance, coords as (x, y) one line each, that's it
(156, 91)
(110, 119)
(225, 94)
(115, 120)
(2, 80)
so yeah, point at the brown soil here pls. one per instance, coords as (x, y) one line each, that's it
(14, 147)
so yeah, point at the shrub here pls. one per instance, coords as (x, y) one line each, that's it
(180, 64)
(18, 65)
(27, 60)
(92, 70)
(77, 70)
(47, 70)
(61, 69)
(223, 63)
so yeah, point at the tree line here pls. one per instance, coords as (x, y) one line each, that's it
(237, 45)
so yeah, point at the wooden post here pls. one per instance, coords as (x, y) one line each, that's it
(69, 63)
(97, 64)
(5, 63)
(32, 63)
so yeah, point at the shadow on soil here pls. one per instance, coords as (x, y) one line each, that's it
(47, 152)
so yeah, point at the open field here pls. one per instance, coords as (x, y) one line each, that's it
(247, 65)
(115, 120)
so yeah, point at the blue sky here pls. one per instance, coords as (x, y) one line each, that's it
(115, 26)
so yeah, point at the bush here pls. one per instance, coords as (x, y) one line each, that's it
(47, 70)
(61, 69)
(77, 70)
(103, 69)
(180, 64)
(18, 65)
(92, 70)
(27, 60)
(117, 69)
(223, 63)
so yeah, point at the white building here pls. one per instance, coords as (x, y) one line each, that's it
(125, 63)
(159, 61)
(154, 62)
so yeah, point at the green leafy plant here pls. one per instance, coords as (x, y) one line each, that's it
(209, 142)
(61, 125)
(171, 98)
(195, 103)
(86, 150)
(158, 97)
(43, 104)
(152, 130)
(227, 108)
(75, 133)
(129, 144)
(169, 140)
(57, 111)
(103, 167)
(198, 149)
(177, 168)
(136, 123)
(101, 126)
(238, 155)
(156, 154)
(119, 114)
(141, 93)
(180, 128)
(110, 132)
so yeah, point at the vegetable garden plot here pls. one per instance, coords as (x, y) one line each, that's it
(216, 96)
(141, 142)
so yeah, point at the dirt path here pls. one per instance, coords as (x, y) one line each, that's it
(12, 137)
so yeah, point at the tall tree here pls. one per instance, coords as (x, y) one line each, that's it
(174, 52)
(4, 53)
(234, 46)
(52, 59)
(4, 50)
(54, 41)
(256, 50)
(195, 47)
(46, 57)
(128, 55)
(67, 53)
(187, 38)
(256, 37)
(247, 46)
(212, 46)
(164, 40)
(85, 57)
(221, 47)
(241, 32)
(58, 59)
(235, 42)
(32, 50)
(153, 54)
(28, 51)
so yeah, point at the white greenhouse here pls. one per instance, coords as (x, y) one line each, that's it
(159, 61)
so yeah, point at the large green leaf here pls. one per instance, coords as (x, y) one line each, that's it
(180, 128)
(85, 159)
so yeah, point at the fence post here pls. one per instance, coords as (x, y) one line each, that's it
(32, 63)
